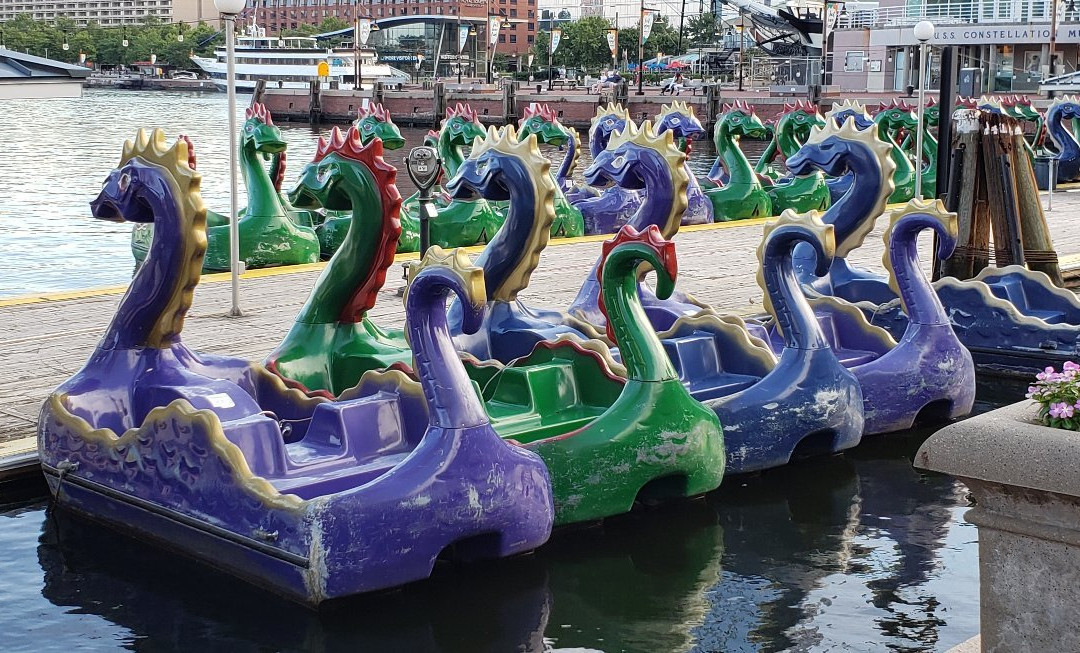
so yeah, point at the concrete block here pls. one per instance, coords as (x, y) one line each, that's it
(1025, 479)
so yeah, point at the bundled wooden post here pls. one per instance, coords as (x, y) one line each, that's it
(963, 196)
(1039, 250)
(1000, 192)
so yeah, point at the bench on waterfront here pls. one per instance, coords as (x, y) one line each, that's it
(571, 84)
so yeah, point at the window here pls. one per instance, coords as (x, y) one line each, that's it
(502, 38)
(532, 26)
(531, 13)
(513, 38)
(530, 38)
(853, 61)
(513, 13)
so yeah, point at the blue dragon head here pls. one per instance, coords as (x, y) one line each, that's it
(678, 118)
(497, 164)
(608, 120)
(127, 193)
(838, 150)
(850, 109)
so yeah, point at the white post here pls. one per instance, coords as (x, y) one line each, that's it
(234, 214)
(924, 31)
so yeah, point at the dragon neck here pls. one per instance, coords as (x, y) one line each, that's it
(854, 213)
(666, 186)
(1065, 139)
(447, 388)
(733, 159)
(598, 141)
(510, 257)
(151, 314)
(766, 159)
(566, 169)
(263, 199)
(929, 151)
(452, 155)
(348, 285)
(793, 313)
(900, 158)
(639, 347)
(920, 301)
(786, 138)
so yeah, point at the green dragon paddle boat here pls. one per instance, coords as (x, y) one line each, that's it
(741, 194)
(890, 119)
(333, 341)
(541, 120)
(799, 193)
(269, 234)
(610, 434)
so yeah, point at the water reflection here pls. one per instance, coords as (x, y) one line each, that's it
(859, 551)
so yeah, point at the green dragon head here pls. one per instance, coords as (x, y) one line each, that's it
(374, 121)
(259, 132)
(541, 120)
(739, 119)
(461, 126)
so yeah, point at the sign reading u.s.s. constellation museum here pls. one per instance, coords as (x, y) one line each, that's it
(978, 35)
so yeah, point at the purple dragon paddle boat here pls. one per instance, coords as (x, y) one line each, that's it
(215, 458)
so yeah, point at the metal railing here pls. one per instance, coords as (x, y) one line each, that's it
(958, 12)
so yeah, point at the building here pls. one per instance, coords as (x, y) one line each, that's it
(23, 76)
(1006, 41)
(110, 13)
(430, 28)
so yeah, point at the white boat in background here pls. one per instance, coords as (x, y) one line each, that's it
(293, 62)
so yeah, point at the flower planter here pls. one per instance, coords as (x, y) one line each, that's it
(1025, 479)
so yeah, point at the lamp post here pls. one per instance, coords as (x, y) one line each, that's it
(362, 29)
(641, 50)
(924, 31)
(228, 10)
(419, 64)
(824, 45)
(742, 41)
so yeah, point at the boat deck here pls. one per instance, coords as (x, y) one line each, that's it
(47, 338)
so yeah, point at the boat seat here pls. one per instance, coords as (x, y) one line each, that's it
(1011, 289)
(358, 430)
(326, 480)
(699, 366)
(537, 401)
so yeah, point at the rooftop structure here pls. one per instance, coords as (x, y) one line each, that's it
(110, 13)
(26, 76)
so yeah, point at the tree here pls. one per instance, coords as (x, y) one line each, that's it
(701, 30)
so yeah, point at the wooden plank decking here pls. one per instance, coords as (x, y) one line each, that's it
(46, 339)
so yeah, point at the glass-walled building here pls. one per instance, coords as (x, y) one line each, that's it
(1007, 41)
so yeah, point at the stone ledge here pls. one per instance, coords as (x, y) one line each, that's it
(1007, 446)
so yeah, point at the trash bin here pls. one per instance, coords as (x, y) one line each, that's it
(1042, 172)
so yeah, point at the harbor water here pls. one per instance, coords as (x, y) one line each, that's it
(858, 552)
(56, 154)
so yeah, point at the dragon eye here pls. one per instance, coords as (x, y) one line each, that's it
(125, 181)
(619, 161)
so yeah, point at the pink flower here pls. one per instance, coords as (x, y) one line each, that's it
(1070, 366)
(1061, 410)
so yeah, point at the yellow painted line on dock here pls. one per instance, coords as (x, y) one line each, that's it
(219, 277)
(18, 447)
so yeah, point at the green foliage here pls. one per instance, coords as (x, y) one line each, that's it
(584, 43)
(701, 30)
(104, 46)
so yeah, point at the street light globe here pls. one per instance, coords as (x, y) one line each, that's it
(230, 6)
(924, 31)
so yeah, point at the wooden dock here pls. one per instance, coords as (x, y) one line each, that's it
(48, 337)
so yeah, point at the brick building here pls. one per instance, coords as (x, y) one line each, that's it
(408, 27)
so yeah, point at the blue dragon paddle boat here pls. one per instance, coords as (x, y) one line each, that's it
(1064, 110)
(605, 210)
(679, 118)
(773, 408)
(215, 458)
(838, 115)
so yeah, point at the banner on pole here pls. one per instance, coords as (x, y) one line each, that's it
(646, 25)
(613, 41)
(531, 55)
(462, 36)
(494, 22)
(556, 37)
(363, 30)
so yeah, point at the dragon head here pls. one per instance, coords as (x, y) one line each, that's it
(897, 115)
(800, 118)
(259, 131)
(374, 121)
(620, 164)
(320, 184)
(608, 120)
(124, 193)
(841, 111)
(461, 126)
(740, 120)
(540, 120)
(679, 118)
(482, 175)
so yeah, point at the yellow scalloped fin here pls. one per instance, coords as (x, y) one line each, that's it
(812, 221)
(646, 137)
(935, 208)
(457, 261)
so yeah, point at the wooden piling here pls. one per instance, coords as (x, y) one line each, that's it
(1039, 252)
